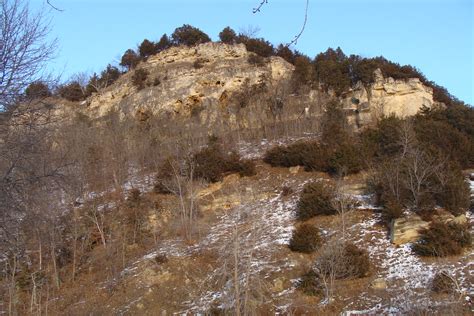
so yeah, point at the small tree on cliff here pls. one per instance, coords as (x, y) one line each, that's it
(129, 59)
(228, 36)
(163, 43)
(189, 35)
(147, 48)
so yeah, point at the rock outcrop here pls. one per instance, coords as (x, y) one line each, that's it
(215, 83)
(407, 229)
(386, 96)
(201, 82)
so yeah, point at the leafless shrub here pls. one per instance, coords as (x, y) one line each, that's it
(339, 260)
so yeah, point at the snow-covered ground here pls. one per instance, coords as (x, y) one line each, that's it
(408, 276)
(256, 150)
(265, 223)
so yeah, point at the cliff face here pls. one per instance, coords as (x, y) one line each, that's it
(386, 96)
(214, 82)
(208, 83)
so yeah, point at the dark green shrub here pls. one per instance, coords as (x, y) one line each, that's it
(161, 259)
(93, 85)
(134, 195)
(303, 73)
(258, 46)
(189, 35)
(37, 90)
(316, 199)
(458, 116)
(305, 239)
(345, 159)
(130, 59)
(362, 69)
(286, 53)
(385, 139)
(339, 153)
(212, 164)
(164, 177)
(453, 193)
(109, 75)
(332, 70)
(286, 191)
(310, 283)
(335, 127)
(283, 156)
(163, 43)
(441, 137)
(228, 36)
(147, 49)
(391, 210)
(442, 239)
(139, 78)
(292, 155)
(160, 188)
(443, 282)
(358, 262)
(72, 91)
(343, 260)
(316, 157)
(245, 168)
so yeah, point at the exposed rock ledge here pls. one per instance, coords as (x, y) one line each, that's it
(202, 82)
(407, 229)
(387, 96)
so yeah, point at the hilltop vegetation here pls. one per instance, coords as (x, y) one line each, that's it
(332, 69)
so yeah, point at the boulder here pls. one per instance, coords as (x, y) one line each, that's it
(278, 285)
(378, 284)
(295, 170)
(406, 229)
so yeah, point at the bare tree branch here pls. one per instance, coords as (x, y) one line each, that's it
(297, 36)
(24, 49)
(54, 7)
(257, 9)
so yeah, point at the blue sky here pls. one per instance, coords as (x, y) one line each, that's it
(436, 36)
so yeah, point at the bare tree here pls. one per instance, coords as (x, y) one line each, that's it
(332, 264)
(343, 203)
(24, 50)
(420, 167)
(178, 177)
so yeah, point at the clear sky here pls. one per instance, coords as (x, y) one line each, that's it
(436, 36)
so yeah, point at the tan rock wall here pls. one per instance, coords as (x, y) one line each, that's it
(202, 82)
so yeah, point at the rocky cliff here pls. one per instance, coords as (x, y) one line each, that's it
(386, 96)
(216, 82)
